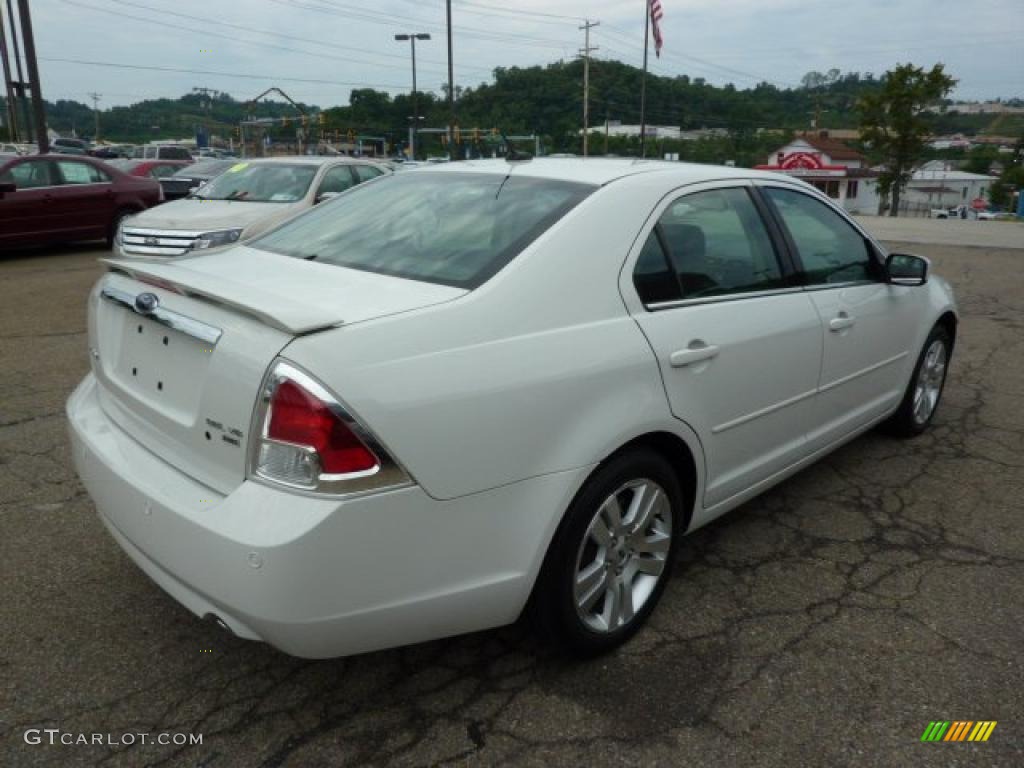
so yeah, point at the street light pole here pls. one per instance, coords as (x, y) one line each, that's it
(412, 37)
(452, 149)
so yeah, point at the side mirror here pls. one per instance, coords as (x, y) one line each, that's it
(326, 196)
(6, 187)
(906, 269)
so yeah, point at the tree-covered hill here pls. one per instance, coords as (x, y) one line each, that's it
(542, 99)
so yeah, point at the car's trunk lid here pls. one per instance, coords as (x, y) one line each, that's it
(289, 294)
(183, 378)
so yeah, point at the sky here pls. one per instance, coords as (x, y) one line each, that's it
(318, 50)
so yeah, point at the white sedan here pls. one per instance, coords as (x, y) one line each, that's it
(477, 387)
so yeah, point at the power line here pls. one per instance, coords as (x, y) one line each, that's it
(521, 13)
(232, 38)
(388, 20)
(310, 41)
(247, 76)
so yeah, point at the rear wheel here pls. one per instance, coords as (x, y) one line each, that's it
(610, 561)
(925, 389)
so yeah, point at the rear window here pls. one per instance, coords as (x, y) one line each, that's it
(205, 168)
(456, 229)
(174, 153)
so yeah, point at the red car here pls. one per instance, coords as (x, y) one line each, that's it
(63, 198)
(154, 169)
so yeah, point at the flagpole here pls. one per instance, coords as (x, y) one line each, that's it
(643, 84)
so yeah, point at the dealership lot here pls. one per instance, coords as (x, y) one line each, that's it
(827, 622)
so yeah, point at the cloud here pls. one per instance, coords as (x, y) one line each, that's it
(741, 41)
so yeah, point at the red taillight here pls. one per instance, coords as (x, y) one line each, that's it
(299, 417)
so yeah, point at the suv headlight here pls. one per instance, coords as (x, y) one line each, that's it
(217, 239)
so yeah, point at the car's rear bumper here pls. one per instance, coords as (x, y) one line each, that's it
(319, 577)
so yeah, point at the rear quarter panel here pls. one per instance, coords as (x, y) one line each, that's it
(539, 370)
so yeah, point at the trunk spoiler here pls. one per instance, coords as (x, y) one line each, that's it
(273, 309)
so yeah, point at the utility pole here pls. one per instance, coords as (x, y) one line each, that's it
(12, 114)
(586, 50)
(19, 85)
(96, 113)
(39, 108)
(452, 122)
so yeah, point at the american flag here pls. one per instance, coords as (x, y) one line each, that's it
(656, 15)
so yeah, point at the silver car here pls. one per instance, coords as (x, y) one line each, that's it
(247, 199)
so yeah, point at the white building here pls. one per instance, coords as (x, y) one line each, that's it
(932, 187)
(616, 128)
(831, 166)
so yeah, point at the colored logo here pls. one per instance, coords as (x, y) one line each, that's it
(958, 730)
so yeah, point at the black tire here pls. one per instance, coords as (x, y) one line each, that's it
(112, 232)
(905, 423)
(554, 605)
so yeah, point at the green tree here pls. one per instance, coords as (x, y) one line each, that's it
(894, 123)
(1000, 193)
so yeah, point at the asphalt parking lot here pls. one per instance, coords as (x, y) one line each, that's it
(824, 624)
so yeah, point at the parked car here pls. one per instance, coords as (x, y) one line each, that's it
(57, 198)
(112, 151)
(153, 169)
(187, 180)
(956, 212)
(403, 413)
(250, 197)
(161, 152)
(10, 149)
(69, 146)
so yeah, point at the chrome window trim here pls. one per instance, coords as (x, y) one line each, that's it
(847, 284)
(388, 475)
(663, 305)
(205, 333)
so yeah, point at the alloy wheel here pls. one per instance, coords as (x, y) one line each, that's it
(623, 555)
(929, 382)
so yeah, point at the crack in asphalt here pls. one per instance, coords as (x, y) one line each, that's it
(825, 622)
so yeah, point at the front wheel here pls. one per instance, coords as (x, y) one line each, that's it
(925, 389)
(610, 561)
(120, 216)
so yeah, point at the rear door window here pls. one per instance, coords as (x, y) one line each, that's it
(366, 172)
(72, 172)
(716, 244)
(31, 174)
(337, 179)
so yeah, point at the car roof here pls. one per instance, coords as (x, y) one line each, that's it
(596, 170)
(303, 160)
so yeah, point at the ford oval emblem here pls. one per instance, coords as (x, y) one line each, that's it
(149, 240)
(146, 302)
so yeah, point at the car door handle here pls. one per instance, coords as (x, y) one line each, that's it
(841, 322)
(692, 354)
